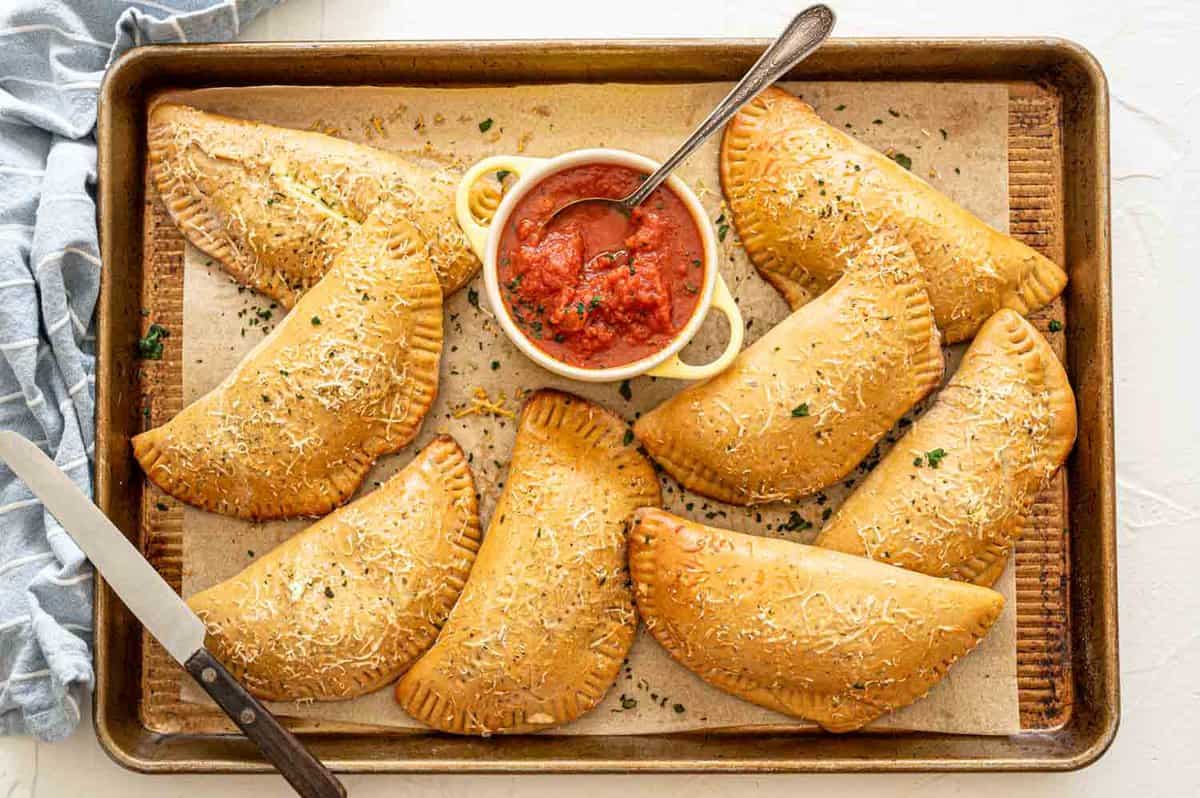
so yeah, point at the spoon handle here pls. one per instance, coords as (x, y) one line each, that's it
(805, 33)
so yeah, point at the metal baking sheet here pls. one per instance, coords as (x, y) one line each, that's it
(1065, 572)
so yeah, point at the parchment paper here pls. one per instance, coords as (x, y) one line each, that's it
(956, 136)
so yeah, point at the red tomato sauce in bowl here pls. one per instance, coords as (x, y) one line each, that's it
(597, 288)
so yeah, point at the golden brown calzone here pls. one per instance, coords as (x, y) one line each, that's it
(547, 617)
(952, 495)
(802, 192)
(809, 632)
(344, 607)
(346, 377)
(275, 206)
(803, 405)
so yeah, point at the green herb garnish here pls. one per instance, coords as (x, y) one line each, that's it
(495, 365)
(691, 289)
(932, 458)
(628, 439)
(800, 410)
(150, 346)
(1055, 325)
(625, 391)
(485, 125)
(595, 303)
(473, 297)
(903, 160)
(316, 321)
(840, 108)
(501, 174)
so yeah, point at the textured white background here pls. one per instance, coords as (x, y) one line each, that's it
(1149, 51)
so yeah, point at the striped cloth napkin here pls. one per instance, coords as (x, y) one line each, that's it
(53, 54)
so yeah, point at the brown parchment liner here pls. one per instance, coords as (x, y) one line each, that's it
(972, 163)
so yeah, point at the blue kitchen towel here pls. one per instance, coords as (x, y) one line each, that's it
(53, 54)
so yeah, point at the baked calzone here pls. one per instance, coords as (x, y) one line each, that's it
(346, 377)
(951, 497)
(802, 193)
(547, 617)
(344, 607)
(812, 633)
(275, 206)
(804, 404)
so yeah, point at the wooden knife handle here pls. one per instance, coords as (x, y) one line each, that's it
(301, 769)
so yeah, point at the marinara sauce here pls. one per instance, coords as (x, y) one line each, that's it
(596, 288)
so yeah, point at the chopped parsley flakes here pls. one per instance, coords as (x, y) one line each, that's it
(932, 458)
(150, 346)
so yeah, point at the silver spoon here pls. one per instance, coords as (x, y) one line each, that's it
(806, 33)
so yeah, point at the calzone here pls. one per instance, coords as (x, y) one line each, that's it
(346, 377)
(344, 607)
(275, 206)
(799, 408)
(812, 633)
(951, 497)
(546, 617)
(802, 192)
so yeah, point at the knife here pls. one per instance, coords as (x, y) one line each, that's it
(163, 612)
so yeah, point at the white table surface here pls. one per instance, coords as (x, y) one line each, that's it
(1149, 51)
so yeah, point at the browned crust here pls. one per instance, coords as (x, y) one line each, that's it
(779, 623)
(1006, 422)
(855, 359)
(379, 623)
(551, 574)
(795, 234)
(284, 391)
(276, 243)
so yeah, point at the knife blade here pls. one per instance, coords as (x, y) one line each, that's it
(163, 613)
(156, 605)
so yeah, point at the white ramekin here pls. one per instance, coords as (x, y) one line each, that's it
(485, 241)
